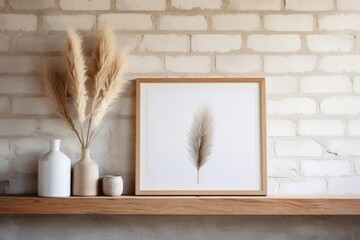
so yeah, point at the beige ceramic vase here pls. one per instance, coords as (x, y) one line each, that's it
(86, 176)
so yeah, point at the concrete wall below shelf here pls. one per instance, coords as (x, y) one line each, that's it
(179, 227)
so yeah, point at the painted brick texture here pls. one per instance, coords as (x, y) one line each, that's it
(308, 50)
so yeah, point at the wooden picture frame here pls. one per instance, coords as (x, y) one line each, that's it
(157, 171)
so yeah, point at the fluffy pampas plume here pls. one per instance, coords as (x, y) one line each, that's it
(77, 74)
(104, 77)
(56, 88)
(200, 141)
(106, 80)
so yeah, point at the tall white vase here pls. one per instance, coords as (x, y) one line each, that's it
(54, 173)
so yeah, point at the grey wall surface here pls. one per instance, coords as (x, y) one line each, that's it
(179, 227)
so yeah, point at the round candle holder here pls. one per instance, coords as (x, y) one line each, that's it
(113, 185)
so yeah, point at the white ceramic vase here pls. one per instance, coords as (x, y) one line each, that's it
(86, 176)
(113, 185)
(54, 172)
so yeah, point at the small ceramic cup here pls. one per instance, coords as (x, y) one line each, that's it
(113, 185)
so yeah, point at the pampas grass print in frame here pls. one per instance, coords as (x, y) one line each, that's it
(201, 136)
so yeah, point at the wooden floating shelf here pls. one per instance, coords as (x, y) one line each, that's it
(137, 205)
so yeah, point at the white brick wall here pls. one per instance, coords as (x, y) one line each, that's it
(357, 84)
(130, 42)
(35, 43)
(4, 166)
(321, 127)
(340, 64)
(344, 147)
(283, 168)
(289, 64)
(270, 149)
(357, 166)
(85, 5)
(348, 5)
(307, 50)
(326, 84)
(340, 105)
(303, 187)
(187, 64)
(330, 43)
(4, 43)
(141, 5)
(126, 21)
(325, 168)
(238, 64)
(215, 42)
(145, 64)
(291, 23)
(62, 22)
(17, 126)
(281, 85)
(19, 64)
(20, 85)
(241, 22)
(31, 146)
(126, 107)
(125, 128)
(4, 147)
(26, 105)
(281, 128)
(165, 43)
(339, 21)
(54, 127)
(344, 186)
(25, 166)
(175, 22)
(354, 128)
(4, 105)
(309, 5)
(298, 148)
(31, 4)
(255, 4)
(18, 22)
(202, 4)
(291, 106)
(274, 43)
(273, 187)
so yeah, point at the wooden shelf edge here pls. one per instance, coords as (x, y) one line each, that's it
(138, 205)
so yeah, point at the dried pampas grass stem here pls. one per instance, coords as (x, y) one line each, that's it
(105, 78)
(108, 82)
(77, 76)
(56, 88)
(110, 91)
(101, 60)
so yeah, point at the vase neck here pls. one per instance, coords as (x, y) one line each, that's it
(55, 144)
(85, 154)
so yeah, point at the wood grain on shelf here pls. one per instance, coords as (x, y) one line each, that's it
(134, 205)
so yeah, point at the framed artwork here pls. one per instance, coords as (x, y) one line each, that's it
(200, 136)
